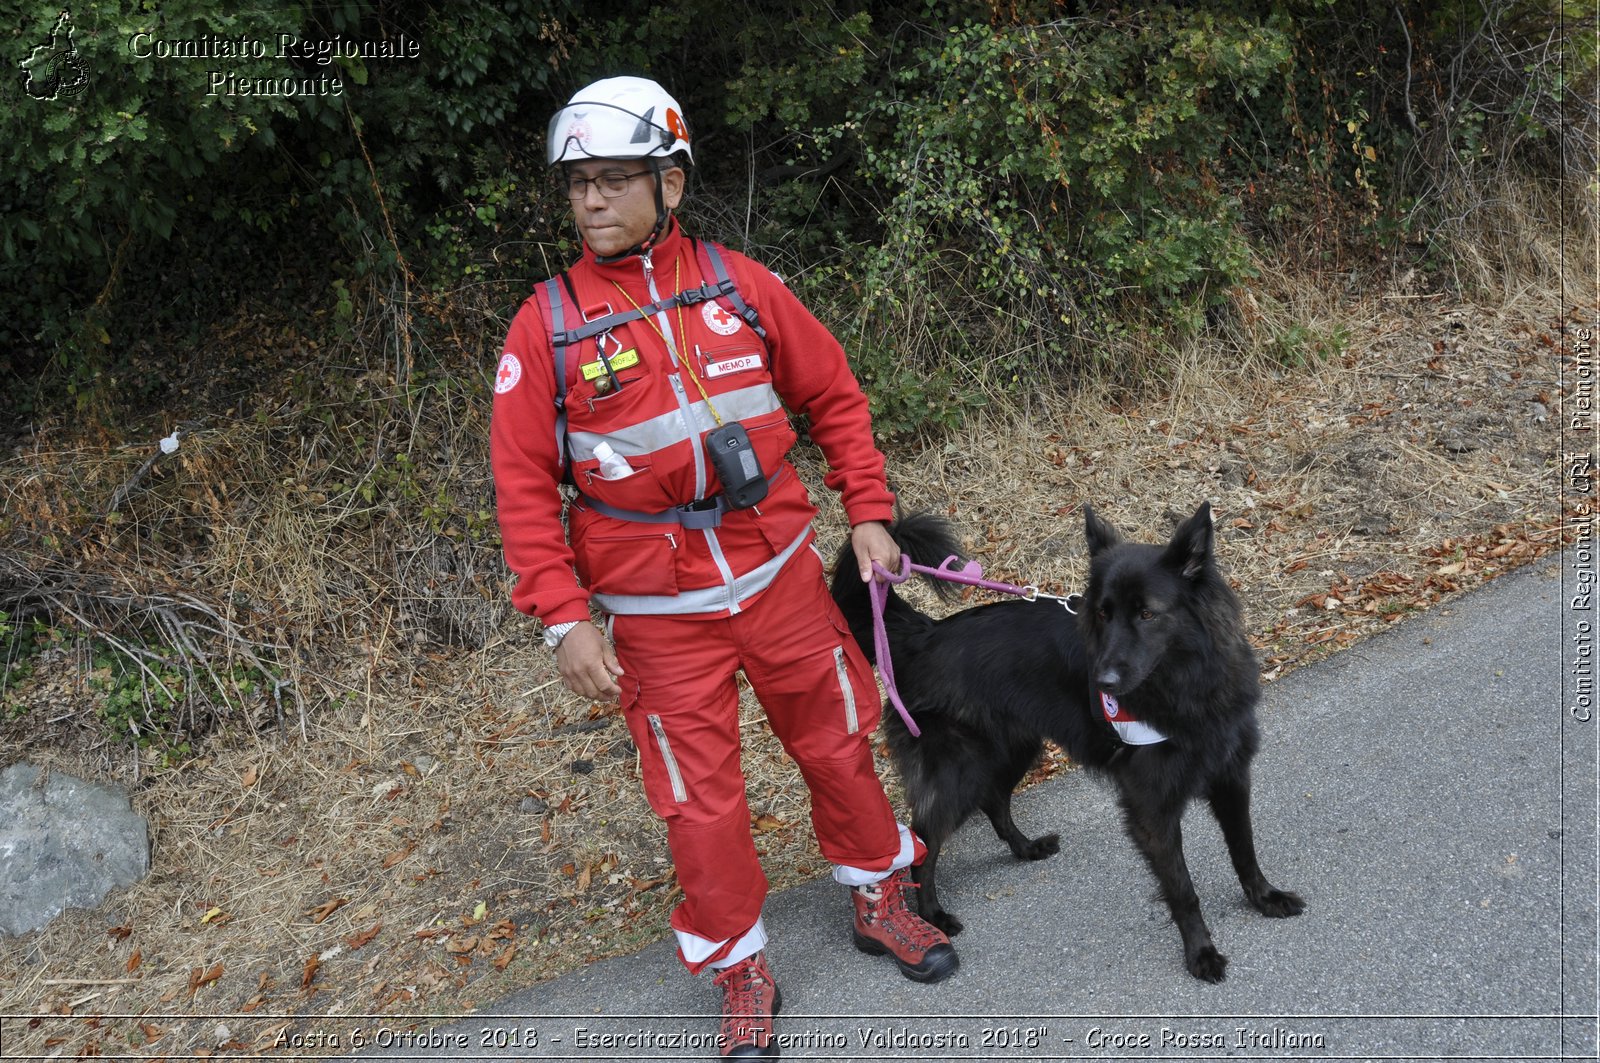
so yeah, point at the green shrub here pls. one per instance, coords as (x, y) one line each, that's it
(153, 179)
(1041, 184)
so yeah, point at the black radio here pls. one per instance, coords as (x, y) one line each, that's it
(733, 457)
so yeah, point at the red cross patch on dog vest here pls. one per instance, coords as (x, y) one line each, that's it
(1133, 732)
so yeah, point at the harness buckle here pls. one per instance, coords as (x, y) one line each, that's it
(691, 296)
(702, 513)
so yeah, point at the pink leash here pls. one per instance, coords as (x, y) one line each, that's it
(971, 574)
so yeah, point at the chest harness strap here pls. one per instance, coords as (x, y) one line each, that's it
(706, 513)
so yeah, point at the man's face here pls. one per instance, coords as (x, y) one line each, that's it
(611, 226)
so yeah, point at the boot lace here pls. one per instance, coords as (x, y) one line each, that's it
(747, 1003)
(886, 906)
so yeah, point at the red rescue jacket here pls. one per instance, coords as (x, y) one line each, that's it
(650, 410)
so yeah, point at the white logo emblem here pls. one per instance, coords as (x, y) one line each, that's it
(719, 320)
(506, 377)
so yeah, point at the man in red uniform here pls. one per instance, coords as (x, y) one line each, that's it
(656, 376)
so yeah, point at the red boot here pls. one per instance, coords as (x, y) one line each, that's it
(885, 925)
(749, 1003)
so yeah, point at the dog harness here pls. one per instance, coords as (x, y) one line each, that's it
(1133, 732)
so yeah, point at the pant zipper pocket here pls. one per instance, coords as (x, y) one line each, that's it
(679, 794)
(852, 722)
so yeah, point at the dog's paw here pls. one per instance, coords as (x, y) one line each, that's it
(943, 920)
(1279, 904)
(1207, 964)
(1039, 848)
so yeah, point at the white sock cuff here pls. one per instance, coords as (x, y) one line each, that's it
(855, 876)
(696, 949)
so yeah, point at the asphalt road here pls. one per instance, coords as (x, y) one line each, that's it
(1428, 792)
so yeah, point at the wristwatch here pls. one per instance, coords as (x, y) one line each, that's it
(554, 633)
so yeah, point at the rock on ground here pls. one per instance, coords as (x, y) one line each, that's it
(64, 843)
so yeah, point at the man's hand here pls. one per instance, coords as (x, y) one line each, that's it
(871, 542)
(588, 665)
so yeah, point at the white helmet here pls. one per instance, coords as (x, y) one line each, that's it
(618, 118)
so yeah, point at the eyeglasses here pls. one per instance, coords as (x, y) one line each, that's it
(611, 185)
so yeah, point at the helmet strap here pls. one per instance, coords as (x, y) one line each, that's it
(661, 208)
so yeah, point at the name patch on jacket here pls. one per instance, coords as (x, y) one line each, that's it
(596, 369)
(741, 364)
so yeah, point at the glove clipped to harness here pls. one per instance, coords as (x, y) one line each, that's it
(733, 457)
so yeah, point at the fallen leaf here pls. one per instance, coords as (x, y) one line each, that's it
(216, 914)
(355, 941)
(134, 961)
(200, 977)
(320, 913)
(460, 945)
(395, 857)
(309, 975)
(766, 823)
(248, 779)
(500, 962)
(119, 933)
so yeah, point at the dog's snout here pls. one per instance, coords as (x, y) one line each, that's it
(1109, 679)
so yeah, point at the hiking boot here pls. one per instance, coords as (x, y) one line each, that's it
(749, 1002)
(885, 925)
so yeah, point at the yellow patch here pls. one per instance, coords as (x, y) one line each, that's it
(597, 369)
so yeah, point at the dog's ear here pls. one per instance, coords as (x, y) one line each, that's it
(1190, 548)
(1100, 535)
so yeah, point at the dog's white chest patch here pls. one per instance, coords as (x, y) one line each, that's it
(1132, 732)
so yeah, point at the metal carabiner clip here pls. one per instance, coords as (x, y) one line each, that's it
(610, 381)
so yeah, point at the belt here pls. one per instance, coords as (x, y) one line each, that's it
(699, 514)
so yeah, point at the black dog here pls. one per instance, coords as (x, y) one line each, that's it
(1157, 635)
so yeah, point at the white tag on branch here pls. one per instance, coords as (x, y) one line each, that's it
(169, 445)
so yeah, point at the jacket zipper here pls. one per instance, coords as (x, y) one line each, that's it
(685, 409)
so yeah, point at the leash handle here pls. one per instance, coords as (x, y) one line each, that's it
(970, 573)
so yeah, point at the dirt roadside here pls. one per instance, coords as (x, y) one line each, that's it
(471, 827)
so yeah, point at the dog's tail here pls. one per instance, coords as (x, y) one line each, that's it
(927, 540)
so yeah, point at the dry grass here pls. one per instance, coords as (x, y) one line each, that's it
(451, 824)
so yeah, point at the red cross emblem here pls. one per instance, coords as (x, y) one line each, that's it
(507, 375)
(719, 320)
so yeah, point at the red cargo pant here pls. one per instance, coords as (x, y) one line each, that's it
(681, 703)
